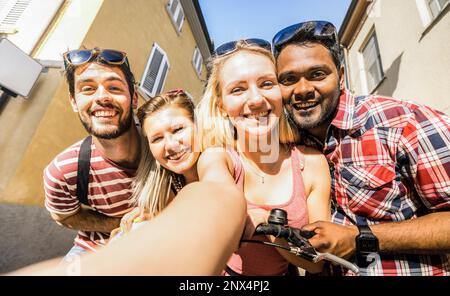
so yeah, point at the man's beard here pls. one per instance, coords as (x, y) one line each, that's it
(124, 126)
(326, 114)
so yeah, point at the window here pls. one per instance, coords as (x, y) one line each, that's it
(436, 6)
(25, 21)
(197, 61)
(372, 63)
(176, 13)
(155, 72)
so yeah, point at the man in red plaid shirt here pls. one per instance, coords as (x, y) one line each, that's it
(389, 160)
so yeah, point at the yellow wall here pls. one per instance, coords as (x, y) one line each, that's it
(18, 123)
(416, 65)
(132, 27)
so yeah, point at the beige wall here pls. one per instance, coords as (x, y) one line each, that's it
(131, 27)
(134, 28)
(416, 66)
(18, 123)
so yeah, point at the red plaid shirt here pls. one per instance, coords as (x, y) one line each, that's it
(389, 161)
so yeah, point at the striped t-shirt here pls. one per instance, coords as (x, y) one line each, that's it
(109, 189)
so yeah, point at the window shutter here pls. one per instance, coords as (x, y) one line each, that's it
(372, 62)
(10, 13)
(163, 77)
(30, 18)
(173, 6)
(176, 13)
(199, 64)
(150, 78)
(180, 18)
(155, 72)
(197, 61)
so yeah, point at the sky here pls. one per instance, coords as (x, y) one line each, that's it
(229, 20)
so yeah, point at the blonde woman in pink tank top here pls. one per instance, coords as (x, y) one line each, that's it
(247, 142)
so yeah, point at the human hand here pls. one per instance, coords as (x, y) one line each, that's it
(254, 218)
(333, 238)
(135, 215)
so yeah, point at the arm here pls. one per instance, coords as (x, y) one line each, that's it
(66, 210)
(318, 200)
(213, 225)
(429, 234)
(214, 165)
(425, 142)
(86, 219)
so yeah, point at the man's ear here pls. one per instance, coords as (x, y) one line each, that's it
(73, 103)
(341, 78)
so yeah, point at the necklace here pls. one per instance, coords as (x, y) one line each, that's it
(253, 169)
(178, 182)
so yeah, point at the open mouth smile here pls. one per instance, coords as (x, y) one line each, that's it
(104, 113)
(178, 155)
(258, 116)
(305, 105)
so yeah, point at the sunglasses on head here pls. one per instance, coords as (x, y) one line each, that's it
(81, 56)
(323, 30)
(229, 47)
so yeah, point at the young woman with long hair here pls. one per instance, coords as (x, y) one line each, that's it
(169, 155)
(248, 142)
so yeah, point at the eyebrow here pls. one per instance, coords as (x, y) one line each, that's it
(313, 68)
(265, 76)
(111, 78)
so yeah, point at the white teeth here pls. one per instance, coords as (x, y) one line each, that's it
(257, 115)
(176, 156)
(104, 113)
(305, 105)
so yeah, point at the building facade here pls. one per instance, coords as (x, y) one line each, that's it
(399, 48)
(166, 43)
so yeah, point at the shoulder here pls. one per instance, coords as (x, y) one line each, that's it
(315, 165)
(390, 112)
(213, 155)
(215, 162)
(312, 156)
(65, 162)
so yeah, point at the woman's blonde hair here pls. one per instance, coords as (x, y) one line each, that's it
(216, 128)
(153, 181)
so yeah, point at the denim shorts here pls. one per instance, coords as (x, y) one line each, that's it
(73, 253)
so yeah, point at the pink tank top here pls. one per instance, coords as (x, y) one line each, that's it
(257, 259)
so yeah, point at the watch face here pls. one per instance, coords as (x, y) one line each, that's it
(367, 244)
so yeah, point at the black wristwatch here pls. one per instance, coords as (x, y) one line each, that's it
(366, 244)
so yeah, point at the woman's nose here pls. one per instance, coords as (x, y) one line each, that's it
(172, 143)
(255, 98)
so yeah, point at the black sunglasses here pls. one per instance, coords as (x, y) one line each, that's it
(80, 56)
(323, 30)
(229, 47)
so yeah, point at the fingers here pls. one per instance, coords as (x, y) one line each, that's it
(127, 220)
(311, 227)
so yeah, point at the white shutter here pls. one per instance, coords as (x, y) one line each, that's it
(155, 72)
(176, 13)
(179, 18)
(173, 4)
(10, 14)
(30, 18)
(197, 61)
